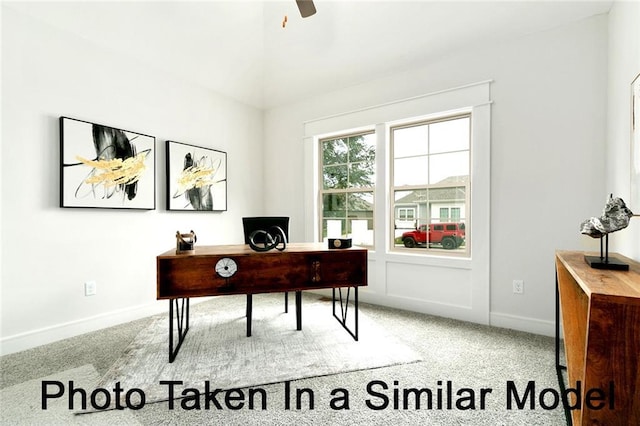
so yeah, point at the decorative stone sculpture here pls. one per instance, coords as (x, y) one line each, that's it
(615, 217)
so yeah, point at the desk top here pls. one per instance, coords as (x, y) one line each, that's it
(601, 281)
(244, 249)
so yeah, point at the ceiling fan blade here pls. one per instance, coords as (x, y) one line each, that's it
(306, 7)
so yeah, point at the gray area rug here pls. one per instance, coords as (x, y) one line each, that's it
(21, 403)
(216, 349)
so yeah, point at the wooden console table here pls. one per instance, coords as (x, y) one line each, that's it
(601, 324)
(237, 269)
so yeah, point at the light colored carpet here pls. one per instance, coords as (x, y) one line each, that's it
(469, 355)
(217, 350)
(21, 403)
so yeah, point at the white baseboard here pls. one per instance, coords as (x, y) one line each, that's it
(512, 322)
(458, 312)
(31, 339)
(529, 325)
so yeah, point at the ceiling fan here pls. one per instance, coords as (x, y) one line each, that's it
(306, 7)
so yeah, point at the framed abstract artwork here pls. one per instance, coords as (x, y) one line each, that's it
(634, 204)
(196, 178)
(105, 167)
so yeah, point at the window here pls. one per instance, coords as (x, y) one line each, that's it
(407, 214)
(347, 187)
(444, 214)
(430, 170)
(455, 214)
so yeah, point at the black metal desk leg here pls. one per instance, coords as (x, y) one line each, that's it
(182, 324)
(249, 313)
(344, 310)
(298, 310)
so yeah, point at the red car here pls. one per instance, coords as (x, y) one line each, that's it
(449, 235)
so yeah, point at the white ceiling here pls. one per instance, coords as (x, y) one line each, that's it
(240, 49)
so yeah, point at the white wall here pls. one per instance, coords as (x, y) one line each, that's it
(547, 150)
(48, 252)
(624, 66)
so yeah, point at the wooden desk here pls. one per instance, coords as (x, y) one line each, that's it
(601, 323)
(301, 266)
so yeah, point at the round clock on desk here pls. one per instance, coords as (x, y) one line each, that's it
(226, 267)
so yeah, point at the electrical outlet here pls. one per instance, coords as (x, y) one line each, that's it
(518, 286)
(90, 288)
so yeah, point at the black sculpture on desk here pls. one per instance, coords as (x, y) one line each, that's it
(265, 240)
(264, 233)
(615, 217)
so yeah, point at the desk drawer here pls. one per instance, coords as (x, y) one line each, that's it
(193, 276)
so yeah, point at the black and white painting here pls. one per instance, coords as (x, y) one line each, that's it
(634, 204)
(105, 167)
(196, 178)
